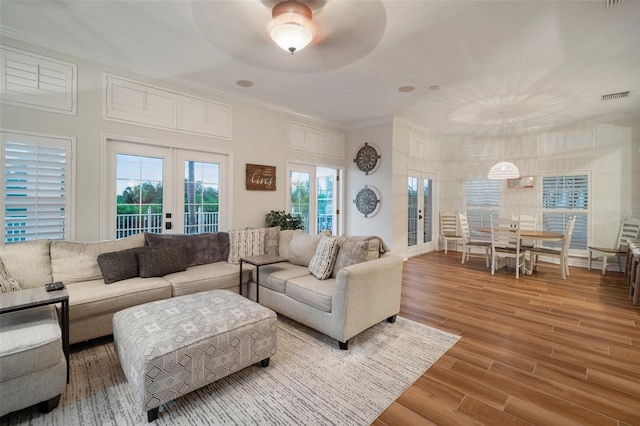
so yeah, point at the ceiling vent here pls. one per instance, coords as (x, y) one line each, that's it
(609, 3)
(616, 95)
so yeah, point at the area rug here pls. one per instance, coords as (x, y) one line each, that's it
(310, 381)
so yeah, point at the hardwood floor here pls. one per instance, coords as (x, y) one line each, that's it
(538, 350)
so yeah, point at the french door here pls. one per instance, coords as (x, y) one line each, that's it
(150, 188)
(313, 193)
(420, 213)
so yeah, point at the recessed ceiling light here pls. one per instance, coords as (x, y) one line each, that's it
(406, 89)
(434, 87)
(244, 83)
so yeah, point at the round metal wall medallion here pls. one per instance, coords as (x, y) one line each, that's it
(367, 158)
(367, 201)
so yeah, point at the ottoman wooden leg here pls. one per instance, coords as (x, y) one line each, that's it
(153, 414)
(48, 405)
(265, 362)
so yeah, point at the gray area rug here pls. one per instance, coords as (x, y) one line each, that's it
(308, 382)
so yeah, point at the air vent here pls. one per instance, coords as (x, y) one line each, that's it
(616, 95)
(609, 3)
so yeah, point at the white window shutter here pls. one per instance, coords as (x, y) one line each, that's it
(482, 201)
(563, 197)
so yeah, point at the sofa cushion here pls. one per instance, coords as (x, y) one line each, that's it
(284, 241)
(7, 283)
(303, 247)
(272, 240)
(28, 263)
(120, 265)
(321, 264)
(355, 250)
(311, 291)
(158, 262)
(91, 299)
(275, 276)
(31, 341)
(75, 262)
(211, 276)
(201, 248)
(245, 242)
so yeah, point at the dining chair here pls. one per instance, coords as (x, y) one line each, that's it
(633, 275)
(527, 223)
(629, 230)
(562, 254)
(468, 243)
(449, 229)
(505, 244)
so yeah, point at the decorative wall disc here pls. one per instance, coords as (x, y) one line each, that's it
(367, 158)
(367, 201)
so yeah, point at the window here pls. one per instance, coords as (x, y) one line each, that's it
(562, 197)
(482, 201)
(36, 187)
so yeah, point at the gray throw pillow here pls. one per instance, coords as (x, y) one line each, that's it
(162, 261)
(200, 248)
(119, 265)
(272, 240)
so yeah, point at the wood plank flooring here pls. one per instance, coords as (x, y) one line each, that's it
(538, 350)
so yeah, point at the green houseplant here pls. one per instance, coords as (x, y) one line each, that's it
(283, 219)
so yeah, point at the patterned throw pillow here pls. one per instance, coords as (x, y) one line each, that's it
(355, 250)
(162, 261)
(246, 242)
(120, 265)
(272, 240)
(7, 283)
(321, 264)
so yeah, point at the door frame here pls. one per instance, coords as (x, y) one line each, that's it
(421, 247)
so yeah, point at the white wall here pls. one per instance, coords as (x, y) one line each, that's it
(259, 137)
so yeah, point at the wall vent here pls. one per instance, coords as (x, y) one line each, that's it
(609, 3)
(616, 95)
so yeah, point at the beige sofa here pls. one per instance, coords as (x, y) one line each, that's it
(355, 297)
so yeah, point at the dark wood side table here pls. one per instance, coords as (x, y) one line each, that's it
(258, 261)
(34, 297)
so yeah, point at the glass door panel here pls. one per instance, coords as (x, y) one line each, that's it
(427, 208)
(412, 212)
(300, 187)
(201, 197)
(420, 208)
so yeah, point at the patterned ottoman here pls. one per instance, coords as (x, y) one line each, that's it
(171, 347)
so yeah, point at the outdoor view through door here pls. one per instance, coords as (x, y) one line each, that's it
(152, 198)
(313, 195)
(420, 214)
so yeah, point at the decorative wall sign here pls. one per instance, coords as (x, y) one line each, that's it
(527, 182)
(367, 201)
(260, 178)
(367, 158)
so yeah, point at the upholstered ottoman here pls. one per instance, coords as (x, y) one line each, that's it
(171, 347)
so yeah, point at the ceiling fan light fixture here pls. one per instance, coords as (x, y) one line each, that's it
(291, 28)
(504, 170)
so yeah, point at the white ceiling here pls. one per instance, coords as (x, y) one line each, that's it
(545, 64)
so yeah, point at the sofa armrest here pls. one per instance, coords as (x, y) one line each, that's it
(367, 293)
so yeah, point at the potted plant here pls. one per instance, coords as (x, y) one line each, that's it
(283, 219)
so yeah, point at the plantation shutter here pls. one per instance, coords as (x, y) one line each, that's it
(482, 201)
(562, 197)
(35, 187)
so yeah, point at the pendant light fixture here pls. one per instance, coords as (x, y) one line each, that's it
(504, 169)
(291, 28)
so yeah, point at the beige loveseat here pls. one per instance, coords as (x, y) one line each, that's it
(355, 297)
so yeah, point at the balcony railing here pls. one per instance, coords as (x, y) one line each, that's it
(129, 224)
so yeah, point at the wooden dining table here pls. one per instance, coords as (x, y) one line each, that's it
(528, 235)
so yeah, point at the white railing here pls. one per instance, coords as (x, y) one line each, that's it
(129, 224)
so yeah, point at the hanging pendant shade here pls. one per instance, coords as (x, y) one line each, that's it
(504, 170)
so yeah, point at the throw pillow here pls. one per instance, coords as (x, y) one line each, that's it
(272, 240)
(303, 246)
(7, 283)
(245, 242)
(355, 250)
(162, 261)
(200, 248)
(119, 265)
(321, 264)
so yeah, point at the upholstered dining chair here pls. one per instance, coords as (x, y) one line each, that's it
(562, 254)
(468, 243)
(505, 244)
(449, 229)
(629, 230)
(527, 223)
